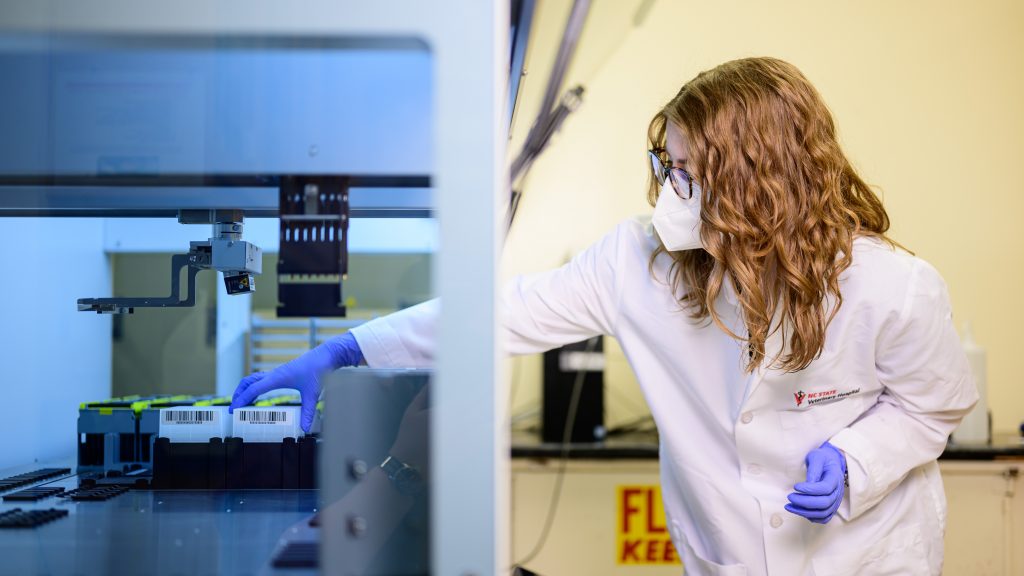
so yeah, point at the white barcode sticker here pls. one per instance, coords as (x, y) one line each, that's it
(264, 417)
(266, 423)
(194, 423)
(189, 416)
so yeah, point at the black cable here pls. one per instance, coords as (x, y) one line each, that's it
(513, 207)
(550, 116)
(564, 57)
(547, 123)
(570, 421)
(535, 145)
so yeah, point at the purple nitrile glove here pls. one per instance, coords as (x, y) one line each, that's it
(302, 374)
(819, 497)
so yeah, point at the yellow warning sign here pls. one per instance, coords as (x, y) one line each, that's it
(643, 536)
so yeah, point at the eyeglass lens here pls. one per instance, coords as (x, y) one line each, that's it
(682, 182)
(658, 166)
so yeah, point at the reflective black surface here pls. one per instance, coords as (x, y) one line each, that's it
(160, 532)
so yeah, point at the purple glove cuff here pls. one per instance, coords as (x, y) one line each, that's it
(343, 350)
(842, 461)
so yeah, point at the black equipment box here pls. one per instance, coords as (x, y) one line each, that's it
(562, 367)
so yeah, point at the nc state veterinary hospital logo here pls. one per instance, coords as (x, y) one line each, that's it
(824, 397)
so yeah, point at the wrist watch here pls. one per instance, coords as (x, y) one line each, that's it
(406, 479)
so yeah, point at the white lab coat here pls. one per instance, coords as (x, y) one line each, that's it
(890, 386)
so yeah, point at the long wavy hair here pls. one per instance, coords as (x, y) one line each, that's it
(781, 205)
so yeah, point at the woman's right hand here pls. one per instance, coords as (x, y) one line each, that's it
(302, 374)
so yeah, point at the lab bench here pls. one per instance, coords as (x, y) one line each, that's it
(984, 490)
(645, 446)
(141, 531)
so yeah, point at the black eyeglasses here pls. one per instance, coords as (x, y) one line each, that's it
(682, 181)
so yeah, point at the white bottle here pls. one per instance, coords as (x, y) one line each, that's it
(975, 427)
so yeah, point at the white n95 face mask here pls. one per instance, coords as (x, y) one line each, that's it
(676, 220)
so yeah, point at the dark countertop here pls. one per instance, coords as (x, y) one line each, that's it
(631, 447)
(645, 446)
(1003, 447)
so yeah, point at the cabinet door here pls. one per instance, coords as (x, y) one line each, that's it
(586, 535)
(985, 528)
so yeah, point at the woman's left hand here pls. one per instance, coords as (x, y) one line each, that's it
(819, 497)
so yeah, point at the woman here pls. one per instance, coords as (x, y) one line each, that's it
(799, 365)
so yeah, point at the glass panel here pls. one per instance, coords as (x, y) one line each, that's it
(376, 472)
(105, 141)
(114, 105)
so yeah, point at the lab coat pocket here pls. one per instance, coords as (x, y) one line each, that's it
(901, 553)
(696, 565)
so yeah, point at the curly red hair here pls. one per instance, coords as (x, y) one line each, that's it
(781, 204)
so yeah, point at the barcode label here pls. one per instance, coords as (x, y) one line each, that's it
(263, 416)
(189, 416)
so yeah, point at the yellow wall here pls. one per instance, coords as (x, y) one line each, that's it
(929, 100)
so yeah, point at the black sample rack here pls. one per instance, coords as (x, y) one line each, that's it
(234, 464)
(31, 478)
(94, 493)
(19, 518)
(32, 494)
